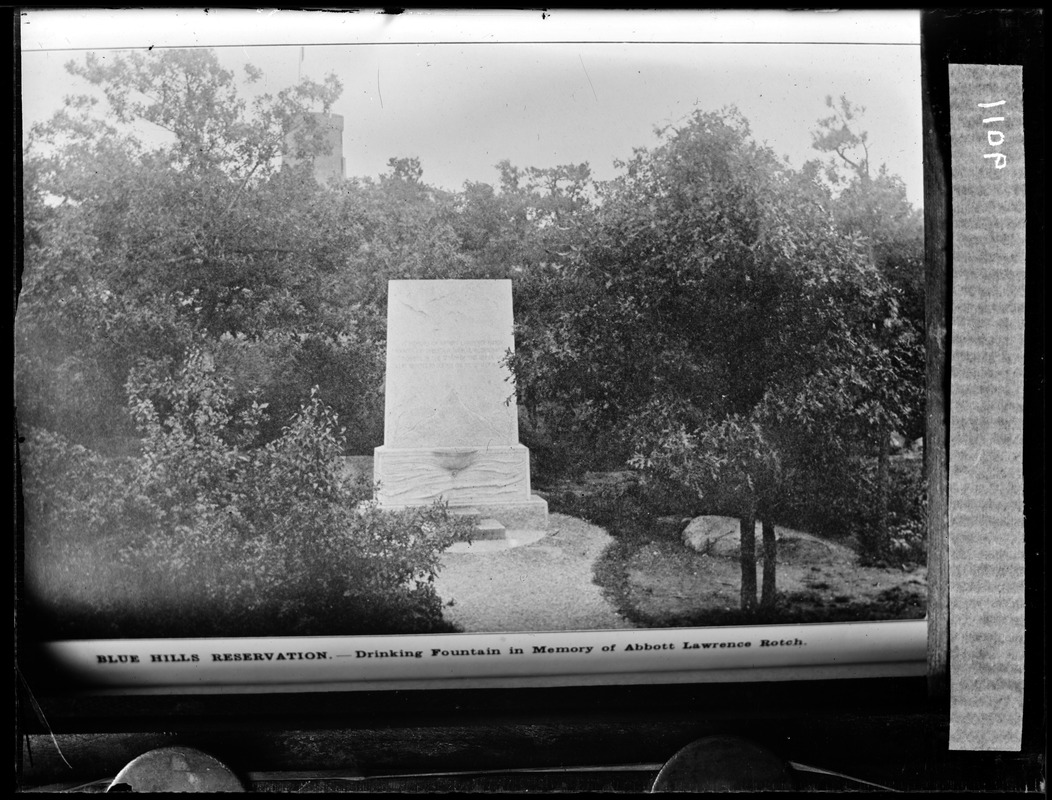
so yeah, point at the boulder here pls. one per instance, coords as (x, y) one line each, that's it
(717, 536)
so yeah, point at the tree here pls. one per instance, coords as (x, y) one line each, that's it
(872, 204)
(526, 221)
(716, 327)
(160, 219)
(188, 94)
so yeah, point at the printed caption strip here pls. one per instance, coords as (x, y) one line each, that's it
(986, 407)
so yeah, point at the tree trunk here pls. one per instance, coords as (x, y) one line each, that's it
(747, 528)
(882, 489)
(770, 566)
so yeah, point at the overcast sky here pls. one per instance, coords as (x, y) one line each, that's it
(498, 87)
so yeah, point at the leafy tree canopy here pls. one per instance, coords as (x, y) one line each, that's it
(715, 323)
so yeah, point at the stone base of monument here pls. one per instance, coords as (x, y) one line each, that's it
(494, 481)
(530, 515)
(497, 517)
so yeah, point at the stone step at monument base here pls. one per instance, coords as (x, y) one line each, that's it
(486, 528)
(489, 529)
(531, 514)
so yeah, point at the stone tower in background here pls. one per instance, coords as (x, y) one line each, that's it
(328, 165)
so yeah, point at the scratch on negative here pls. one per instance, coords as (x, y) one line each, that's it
(589, 77)
(378, 92)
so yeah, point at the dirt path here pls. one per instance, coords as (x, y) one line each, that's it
(543, 586)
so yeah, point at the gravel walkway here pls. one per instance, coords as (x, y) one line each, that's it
(543, 586)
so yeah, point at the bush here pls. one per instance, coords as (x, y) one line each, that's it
(347, 372)
(839, 504)
(209, 534)
(907, 540)
(830, 500)
(630, 501)
(564, 444)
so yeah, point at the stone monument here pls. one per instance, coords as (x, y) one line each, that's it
(451, 426)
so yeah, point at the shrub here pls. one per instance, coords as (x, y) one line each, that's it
(564, 444)
(829, 500)
(907, 541)
(209, 534)
(345, 369)
(839, 504)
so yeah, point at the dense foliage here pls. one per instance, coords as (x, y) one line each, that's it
(179, 302)
(208, 532)
(715, 327)
(200, 339)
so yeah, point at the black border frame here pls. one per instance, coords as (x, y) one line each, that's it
(856, 724)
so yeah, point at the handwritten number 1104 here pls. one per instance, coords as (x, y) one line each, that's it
(995, 138)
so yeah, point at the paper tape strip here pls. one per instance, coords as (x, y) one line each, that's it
(986, 407)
